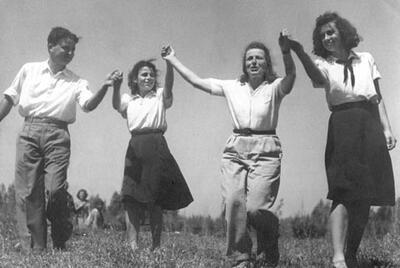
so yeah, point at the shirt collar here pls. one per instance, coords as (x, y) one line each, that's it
(148, 95)
(352, 55)
(46, 67)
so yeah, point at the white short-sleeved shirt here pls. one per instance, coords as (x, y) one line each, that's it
(255, 109)
(148, 112)
(40, 93)
(365, 72)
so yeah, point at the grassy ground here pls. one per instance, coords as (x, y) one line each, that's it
(109, 249)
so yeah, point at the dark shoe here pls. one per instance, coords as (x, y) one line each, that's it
(267, 260)
(351, 262)
(59, 246)
(22, 247)
(25, 248)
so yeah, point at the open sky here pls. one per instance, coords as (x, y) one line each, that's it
(209, 37)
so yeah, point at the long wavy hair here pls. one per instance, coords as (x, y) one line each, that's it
(348, 33)
(133, 75)
(270, 74)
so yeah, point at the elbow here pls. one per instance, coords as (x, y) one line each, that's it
(89, 107)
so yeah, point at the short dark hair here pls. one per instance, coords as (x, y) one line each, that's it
(58, 33)
(270, 75)
(348, 33)
(80, 191)
(133, 74)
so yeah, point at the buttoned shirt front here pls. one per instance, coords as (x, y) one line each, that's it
(255, 109)
(148, 112)
(40, 93)
(337, 91)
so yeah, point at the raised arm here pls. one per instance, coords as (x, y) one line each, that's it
(290, 67)
(387, 130)
(169, 78)
(95, 100)
(116, 97)
(187, 74)
(311, 69)
(5, 106)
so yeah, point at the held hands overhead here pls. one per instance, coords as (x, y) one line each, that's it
(114, 78)
(286, 42)
(167, 52)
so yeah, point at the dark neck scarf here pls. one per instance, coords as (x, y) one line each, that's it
(348, 66)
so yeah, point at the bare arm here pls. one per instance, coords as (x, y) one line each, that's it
(290, 67)
(5, 106)
(311, 69)
(186, 73)
(387, 130)
(169, 78)
(95, 100)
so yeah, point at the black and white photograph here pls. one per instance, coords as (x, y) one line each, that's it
(200, 133)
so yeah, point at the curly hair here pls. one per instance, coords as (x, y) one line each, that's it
(270, 75)
(348, 33)
(82, 191)
(133, 75)
(58, 33)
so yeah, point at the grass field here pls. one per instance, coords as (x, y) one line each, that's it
(109, 249)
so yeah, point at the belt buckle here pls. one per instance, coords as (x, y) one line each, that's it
(247, 131)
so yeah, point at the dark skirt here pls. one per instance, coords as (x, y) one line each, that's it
(151, 174)
(357, 160)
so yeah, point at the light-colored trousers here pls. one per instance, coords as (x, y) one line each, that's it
(43, 151)
(251, 167)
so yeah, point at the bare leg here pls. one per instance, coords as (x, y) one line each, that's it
(339, 223)
(156, 225)
(133, 217)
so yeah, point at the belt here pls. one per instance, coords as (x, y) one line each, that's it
(146, 131)
(249, 131)
(45, 120)
(350, 105)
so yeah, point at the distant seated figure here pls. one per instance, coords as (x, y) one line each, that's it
(87, 216)
(95, 220)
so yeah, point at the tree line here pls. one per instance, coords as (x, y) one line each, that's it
(383, 220)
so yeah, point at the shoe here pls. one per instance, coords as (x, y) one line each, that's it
(351, 262)
(243, 264)
(339, 264)
(134, 246)
(59, 246)
(268, 258)
(263, 262)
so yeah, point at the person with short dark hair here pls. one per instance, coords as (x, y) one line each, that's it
(251, 161)
(88, 216)
(152, 178)
(357, 161)
(46, 94)
(81, 208)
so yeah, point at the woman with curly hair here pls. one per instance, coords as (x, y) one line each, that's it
(358, 164)
(152, 179)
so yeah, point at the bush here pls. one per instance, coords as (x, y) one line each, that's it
(311, 226)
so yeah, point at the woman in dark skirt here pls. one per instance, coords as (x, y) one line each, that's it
(152, 179)
(357, 160)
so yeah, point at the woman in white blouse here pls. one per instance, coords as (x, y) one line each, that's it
(358, 165)
(251, 161)
(152, 179)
